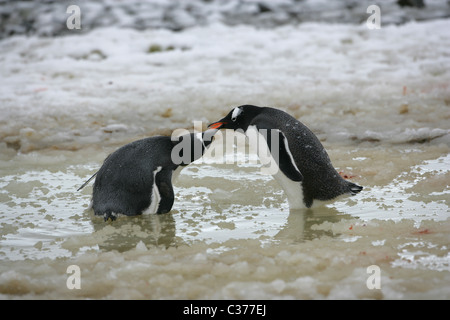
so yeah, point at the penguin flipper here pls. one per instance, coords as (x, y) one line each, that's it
(165, 189)
(284, 158)
(286, 161)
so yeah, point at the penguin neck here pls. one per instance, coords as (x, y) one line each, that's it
(190, 147)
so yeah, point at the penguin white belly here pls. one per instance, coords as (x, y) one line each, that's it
(292, 189)
(155, 197)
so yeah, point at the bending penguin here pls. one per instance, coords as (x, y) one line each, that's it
(304, 169)
(137, 178)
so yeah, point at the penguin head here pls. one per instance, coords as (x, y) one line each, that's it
(238, 118)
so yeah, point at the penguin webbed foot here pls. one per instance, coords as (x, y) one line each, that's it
(109, 215)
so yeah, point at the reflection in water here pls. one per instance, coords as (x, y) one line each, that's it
(126, 232)
(299, 223)
(160, 230)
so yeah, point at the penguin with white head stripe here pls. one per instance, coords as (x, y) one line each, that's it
(305, 170)
(137, 178)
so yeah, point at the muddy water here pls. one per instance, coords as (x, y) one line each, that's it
(231, 233)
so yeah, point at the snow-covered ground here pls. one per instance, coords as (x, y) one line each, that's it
(378, 99)
(344, 81)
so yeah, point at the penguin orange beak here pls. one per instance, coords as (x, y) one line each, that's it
(216, 125)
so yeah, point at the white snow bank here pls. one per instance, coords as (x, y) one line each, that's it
(110, 85)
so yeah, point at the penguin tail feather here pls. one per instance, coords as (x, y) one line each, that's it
(84, 184)
(354, 188)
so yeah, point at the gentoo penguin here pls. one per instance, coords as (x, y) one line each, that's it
(305, 170)
(137, 178)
